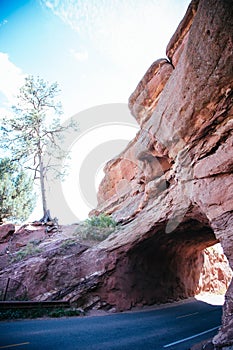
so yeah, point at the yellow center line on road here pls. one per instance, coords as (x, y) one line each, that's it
(183, 316)
(13, 345)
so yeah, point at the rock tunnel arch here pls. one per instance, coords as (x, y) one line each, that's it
(167, 266)
(162, 267)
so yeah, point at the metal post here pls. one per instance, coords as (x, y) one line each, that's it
(7, 285)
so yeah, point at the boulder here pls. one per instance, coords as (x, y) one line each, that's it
(6, 232)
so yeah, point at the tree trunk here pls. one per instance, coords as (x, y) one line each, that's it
(47, 218)
(42, 186)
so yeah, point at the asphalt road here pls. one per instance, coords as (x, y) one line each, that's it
(171, 327)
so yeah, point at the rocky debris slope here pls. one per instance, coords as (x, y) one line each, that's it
(31, 256)
(171, 189)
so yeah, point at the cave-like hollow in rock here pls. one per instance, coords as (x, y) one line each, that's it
(167, 266)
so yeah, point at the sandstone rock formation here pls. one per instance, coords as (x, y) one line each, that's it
(6, 231)
(179, 193)
(32, 256)
(216, 274)
(171, 189)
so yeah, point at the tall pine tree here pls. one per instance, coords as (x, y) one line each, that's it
(16, 192)
(34, 133)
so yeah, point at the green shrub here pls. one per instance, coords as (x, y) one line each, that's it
(101, 220)
(96, 228)
(68, 243)
(36, 313)
(64, 313)
(29, 249)
(95, 233)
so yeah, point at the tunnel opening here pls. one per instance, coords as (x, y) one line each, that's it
(167, 267)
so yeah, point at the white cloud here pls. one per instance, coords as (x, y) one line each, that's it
(80, 56)
(5, 21)
(49, 5)
(132, 33)
(11, 78)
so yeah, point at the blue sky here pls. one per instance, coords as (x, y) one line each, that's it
(97, 51)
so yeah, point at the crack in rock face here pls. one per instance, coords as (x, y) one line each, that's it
(171, 189)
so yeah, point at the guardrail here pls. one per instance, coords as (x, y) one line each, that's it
(7, 305)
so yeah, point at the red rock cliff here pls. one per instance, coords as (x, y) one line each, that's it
(172, 188)
(175, 179)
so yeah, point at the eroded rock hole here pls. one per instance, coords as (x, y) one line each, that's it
(167, 267)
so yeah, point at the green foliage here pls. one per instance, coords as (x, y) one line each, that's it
(94, 233)
(101, 220)
(17, 199)
(35, 313)
(97, 228)
(68, 243)
(33, 136)
(28, 132)
(64, 313)
(28, 250)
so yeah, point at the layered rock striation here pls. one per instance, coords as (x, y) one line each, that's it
(179, 182)
(171, 189)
